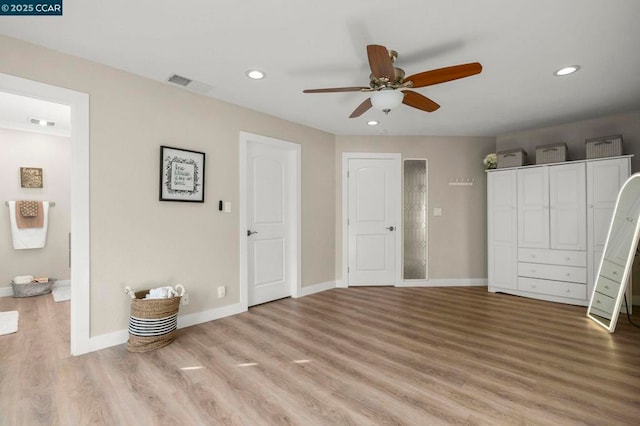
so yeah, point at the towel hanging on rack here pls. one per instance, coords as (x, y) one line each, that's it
(28, 238)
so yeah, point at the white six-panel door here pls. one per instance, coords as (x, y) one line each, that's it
(268, 189)
(372, 221)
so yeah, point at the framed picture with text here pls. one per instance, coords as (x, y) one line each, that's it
(181, 175)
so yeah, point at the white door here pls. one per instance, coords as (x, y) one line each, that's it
(372, 221)
(269, 189)
(502, 228)
(533, 207)
(568, 213)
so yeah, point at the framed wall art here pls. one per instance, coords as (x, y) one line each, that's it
(31, 177)
(181, 175)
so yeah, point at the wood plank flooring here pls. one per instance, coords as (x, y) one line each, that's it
(361, 356)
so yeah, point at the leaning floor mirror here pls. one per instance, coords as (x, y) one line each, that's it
(619, 251)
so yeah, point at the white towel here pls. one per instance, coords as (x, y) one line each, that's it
(28, 238)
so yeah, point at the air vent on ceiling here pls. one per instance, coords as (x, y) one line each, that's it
(179, 80)
(192, 85)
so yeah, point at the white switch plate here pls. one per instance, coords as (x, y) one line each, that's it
(227, 206)
(437, 211)
(222, 291)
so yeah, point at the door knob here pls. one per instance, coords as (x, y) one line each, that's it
(391, 228)
(249, 232)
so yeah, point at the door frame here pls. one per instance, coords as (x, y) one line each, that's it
(294, 205)
(80, 219)
(397, 162)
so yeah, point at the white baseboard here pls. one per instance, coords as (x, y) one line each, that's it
(210, 315)
(316, 288)
(119, 337)
(341, 284)
(445, 282)
(6, 291)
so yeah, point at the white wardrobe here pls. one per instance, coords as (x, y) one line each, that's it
(547, 225)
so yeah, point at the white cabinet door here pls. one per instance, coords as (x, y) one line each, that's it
(604, 180)
(533, 207)
(567, 202)
(502, 228)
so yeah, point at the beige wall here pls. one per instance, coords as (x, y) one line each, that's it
(457, 239)
(52, 154)
(141, 242)
(574, 135)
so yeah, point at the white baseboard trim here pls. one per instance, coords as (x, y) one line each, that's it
(119, 337)
(341, 284)
(445, 282)
(6, 291)
(316, 288)
(210, 315)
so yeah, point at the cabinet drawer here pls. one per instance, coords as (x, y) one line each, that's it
(603, 304)
(553, 288)
(611, 270)
(553, 257)
(607, 287)
(553, 272)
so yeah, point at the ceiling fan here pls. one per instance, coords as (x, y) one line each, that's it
(390, 86)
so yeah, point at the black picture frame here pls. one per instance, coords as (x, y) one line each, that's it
(182, 173)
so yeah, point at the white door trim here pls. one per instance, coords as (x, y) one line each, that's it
(346, 156)
(80, 220)
(295, 255)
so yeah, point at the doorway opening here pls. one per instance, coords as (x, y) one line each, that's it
(79, 204)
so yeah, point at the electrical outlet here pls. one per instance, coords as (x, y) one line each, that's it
(222, 291)
(185, 299)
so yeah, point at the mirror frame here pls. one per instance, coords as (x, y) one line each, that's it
(627, 269)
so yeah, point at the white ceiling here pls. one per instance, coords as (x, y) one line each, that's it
(17, 111)
(304, 45)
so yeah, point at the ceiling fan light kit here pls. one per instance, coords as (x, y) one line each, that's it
(386, 99)
(390, 87)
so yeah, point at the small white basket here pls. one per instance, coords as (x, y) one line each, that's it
(606, 146)
(511, 158)
(552, 153)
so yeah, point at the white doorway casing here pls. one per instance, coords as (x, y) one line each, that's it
(388, 252)
(291, 233)
(80, 220)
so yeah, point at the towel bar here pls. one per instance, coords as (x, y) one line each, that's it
(51, 203)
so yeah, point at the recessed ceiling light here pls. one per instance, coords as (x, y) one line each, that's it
(373, 123)
(255, 74)
(43, 123)
(567, 70)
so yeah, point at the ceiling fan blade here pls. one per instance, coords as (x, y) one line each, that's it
(416, 100)
(337, 89)
(380, 62)
(362, 108)
(442, 75)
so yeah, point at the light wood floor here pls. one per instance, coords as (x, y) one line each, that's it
(346, 356)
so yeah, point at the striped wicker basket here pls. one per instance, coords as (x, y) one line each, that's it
(153, 322)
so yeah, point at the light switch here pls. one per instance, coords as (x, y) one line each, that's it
(437, 211)
(227, 206)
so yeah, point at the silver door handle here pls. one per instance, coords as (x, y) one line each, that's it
(391, 228)
(249, 232)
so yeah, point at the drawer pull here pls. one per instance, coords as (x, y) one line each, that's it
(568, 291)
(567, 259)
(568, 274)
(598, 302)
(615, 273)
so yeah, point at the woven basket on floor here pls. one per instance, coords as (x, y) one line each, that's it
(152, 323)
